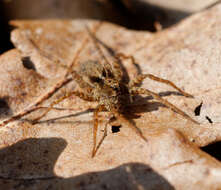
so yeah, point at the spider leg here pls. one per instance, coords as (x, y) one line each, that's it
(131, 58)
(80, 81)
(130, 124)
(141, 77)
(98, 109)
(56, 108)
(136, 90)
(84, 85)
(102, 139)
(116, 67)
(94, 39)
(69, 70)
(80, 50)
(75, 76)
(67, 95)
(60, 84)
(117, 71)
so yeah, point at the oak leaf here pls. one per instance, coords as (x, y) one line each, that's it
(56, 152)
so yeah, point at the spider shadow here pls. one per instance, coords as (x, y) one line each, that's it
(143, 104)
(55, 119)
(29, 164)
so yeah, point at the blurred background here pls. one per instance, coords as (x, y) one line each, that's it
(134, 14)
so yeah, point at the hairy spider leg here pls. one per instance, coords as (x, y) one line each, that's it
(80, 50)
(123, 56)
(98, 109)
(33, 107)
(141, 77)
(116, 67)
(130, 124)
(55, 88)
(107, 66)
(136, 90)
(69, 70)
(111, 120)
(84, 85)
(51, 92)
(75, 77)
(131, 58)
(102, 139)
(67, 95)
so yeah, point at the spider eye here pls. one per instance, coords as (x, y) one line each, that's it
(95, 79)
(116, 88)
(104, 73)
(109, 73)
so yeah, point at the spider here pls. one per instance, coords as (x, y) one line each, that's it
(106, 85)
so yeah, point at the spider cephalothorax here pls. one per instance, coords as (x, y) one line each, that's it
(105, 87)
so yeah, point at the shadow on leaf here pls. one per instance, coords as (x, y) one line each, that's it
(29, 164)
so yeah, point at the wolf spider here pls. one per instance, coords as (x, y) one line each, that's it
(106, 84)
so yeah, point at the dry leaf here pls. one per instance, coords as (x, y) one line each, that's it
(57, 154)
